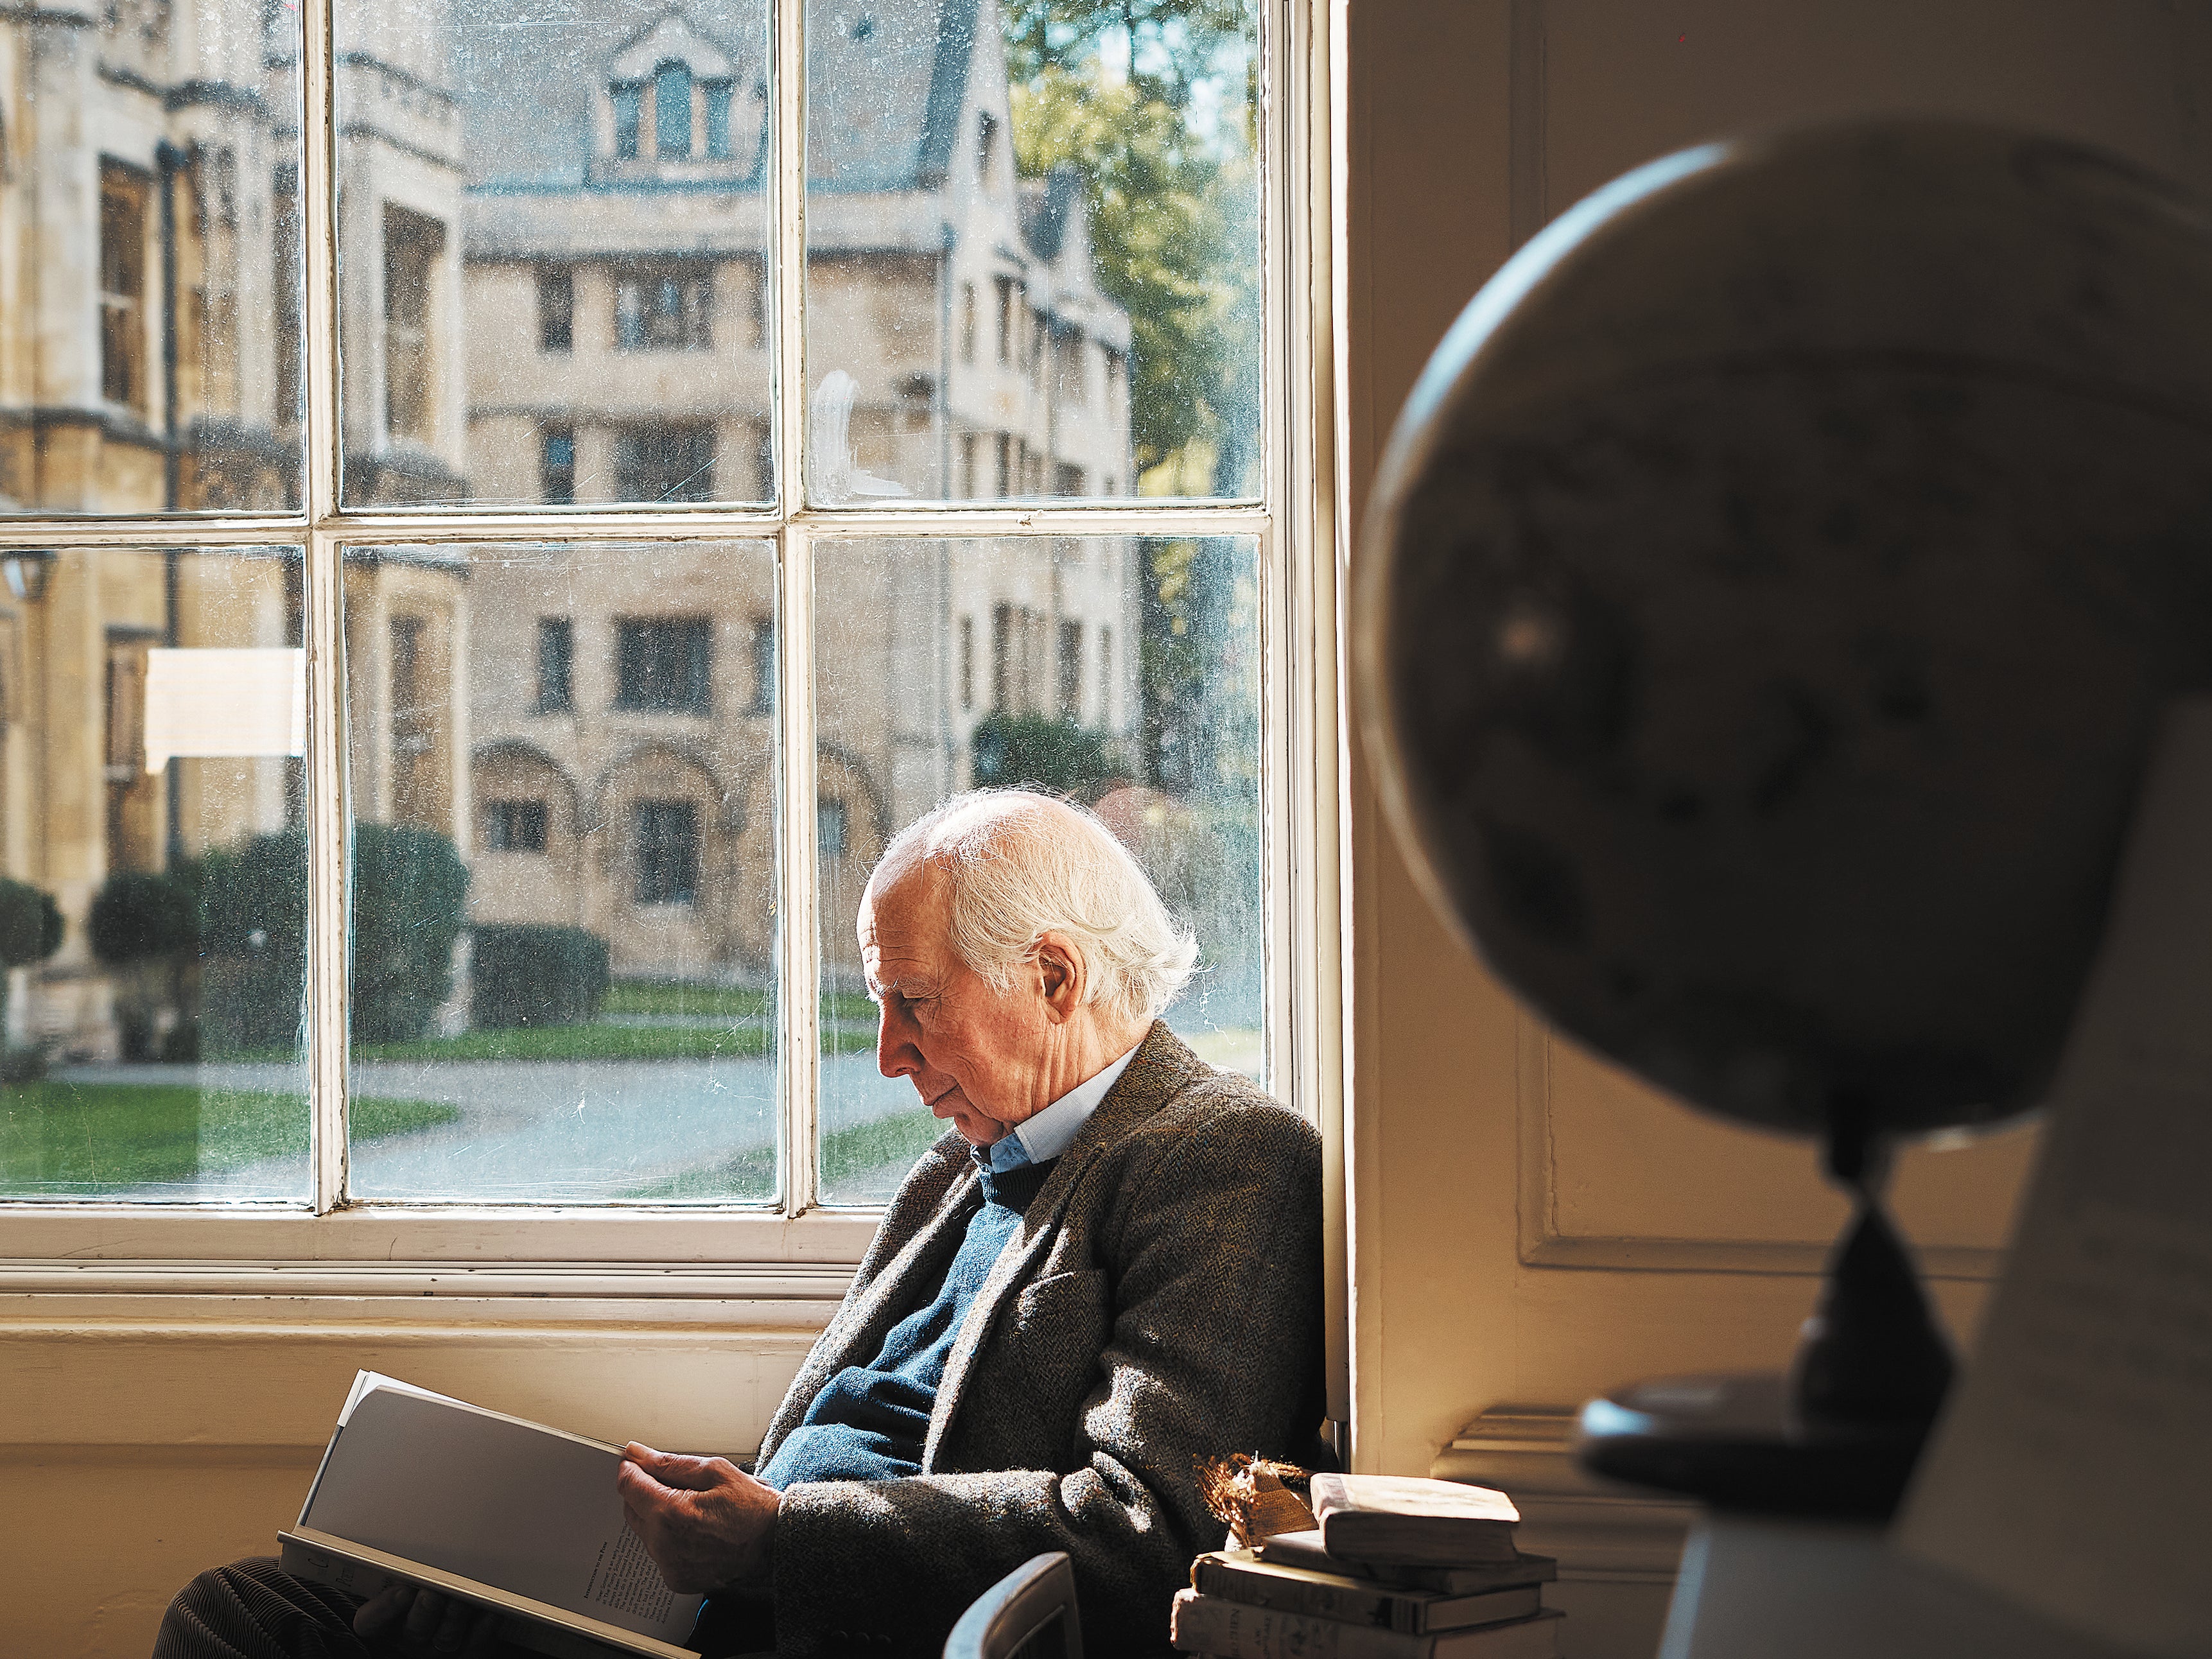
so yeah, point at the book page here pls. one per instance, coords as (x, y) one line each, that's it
(2072, 1470)
(528, 1509)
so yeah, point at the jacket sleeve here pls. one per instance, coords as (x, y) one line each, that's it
(1214, 1283)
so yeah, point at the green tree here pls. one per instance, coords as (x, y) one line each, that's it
(1040, 751)
(1173, 205)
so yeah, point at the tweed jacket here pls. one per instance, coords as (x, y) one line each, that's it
(1160, 1301)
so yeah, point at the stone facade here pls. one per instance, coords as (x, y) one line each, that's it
(553, 290)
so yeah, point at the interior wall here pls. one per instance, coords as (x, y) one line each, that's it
(1489, 1271)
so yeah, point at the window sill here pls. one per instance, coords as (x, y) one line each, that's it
(639, 1247)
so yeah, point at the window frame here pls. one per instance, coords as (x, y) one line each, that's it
(334, 1245)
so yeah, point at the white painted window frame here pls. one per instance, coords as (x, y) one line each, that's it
(800, 1249)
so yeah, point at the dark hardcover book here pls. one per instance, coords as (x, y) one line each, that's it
(1305, 1549)
(1242, 1575)
(1236, 1629)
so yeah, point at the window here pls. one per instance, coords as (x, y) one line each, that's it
(667, 852)
(122, 193)
(665, 463)
(284, 283)
(669, 309)
(763, 643)
(662, 664)
(411, 246)
(514, 826)
(556, 309)
(987, 130)
(1071, 670)
(540, 571)
(556, 665)
(672, 111)
(717, 119)
(629, 115)
(1002, 656)
(557, 465)
(1067, 478)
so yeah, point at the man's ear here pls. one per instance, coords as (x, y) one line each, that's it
(1060, 975)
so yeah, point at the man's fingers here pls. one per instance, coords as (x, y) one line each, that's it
(482, 1637)
(383, 1611)
(675, 1469)
(424, 1617)
(454, 1628)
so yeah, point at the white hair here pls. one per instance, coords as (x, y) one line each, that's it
(1024, 865)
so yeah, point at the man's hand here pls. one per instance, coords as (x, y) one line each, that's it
(401, 1618)
(707, 1524)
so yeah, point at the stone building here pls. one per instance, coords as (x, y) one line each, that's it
(620, 349)
(553, 289)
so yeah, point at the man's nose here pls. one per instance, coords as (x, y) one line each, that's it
(895, 1053)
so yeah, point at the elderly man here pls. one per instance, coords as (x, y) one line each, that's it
(1110, 1272)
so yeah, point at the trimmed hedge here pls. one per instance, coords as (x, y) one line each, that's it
(30, 925)
(410, 890)
(145, 915)
(529, 976)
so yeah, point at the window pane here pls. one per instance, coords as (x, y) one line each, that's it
(552, 230)
(149, 167)
(1123, 673)
(153, 875)
(1033, 266)
(564, 867)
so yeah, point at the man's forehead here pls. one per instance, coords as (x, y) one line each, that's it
(902, 918)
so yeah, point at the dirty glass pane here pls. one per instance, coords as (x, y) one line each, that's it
(153, 875)
(552, 233)
(149, 258)
(563, 969)
(1120, 672)
(1033, 249)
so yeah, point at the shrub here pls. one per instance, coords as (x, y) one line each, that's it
(1042, 752)
(253, 928)
(537, 976)
(30, 925)
(409, 888)
(145, 915)
(410, 892)
(30, 931)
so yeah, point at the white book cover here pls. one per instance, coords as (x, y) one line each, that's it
(482, 1496)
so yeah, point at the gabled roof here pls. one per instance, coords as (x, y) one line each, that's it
(887, 80)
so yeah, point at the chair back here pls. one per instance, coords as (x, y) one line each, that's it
(1028, 1614)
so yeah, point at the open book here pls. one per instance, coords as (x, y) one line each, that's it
(419, 1488)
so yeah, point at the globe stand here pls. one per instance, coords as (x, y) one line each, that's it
(1837, 1437)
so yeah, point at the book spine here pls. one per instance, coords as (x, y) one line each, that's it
(1234, 1630)
(1377, 1608)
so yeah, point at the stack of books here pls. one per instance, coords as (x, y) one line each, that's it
(1399, 1569)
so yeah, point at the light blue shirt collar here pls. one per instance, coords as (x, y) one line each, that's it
(1044, 1136)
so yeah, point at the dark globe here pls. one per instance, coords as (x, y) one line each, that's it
(1772, 594)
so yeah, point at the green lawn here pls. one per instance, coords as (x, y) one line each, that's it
(604, 1042)
(103, 1135)
(684, 999)
(845, 1155)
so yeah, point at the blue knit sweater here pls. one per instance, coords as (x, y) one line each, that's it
(870, 1421)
